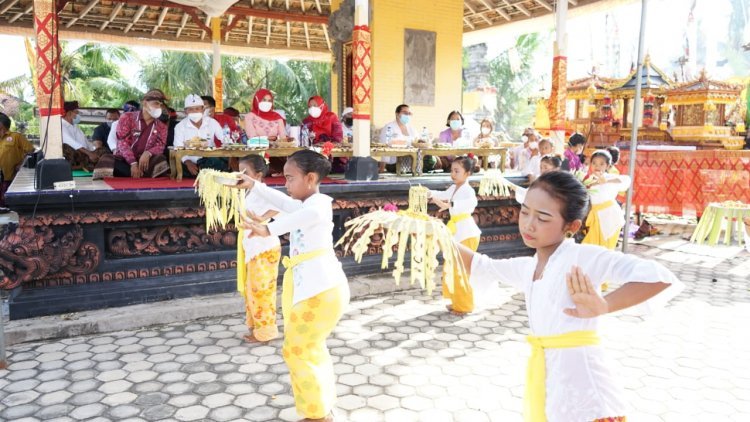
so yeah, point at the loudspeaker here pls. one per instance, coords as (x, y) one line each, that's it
(361, 168)
(51, 170)
(32, 158)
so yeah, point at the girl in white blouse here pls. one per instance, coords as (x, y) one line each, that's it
(315, 290)
(606, 218)
(568, 378)
(258, 262)
(460, 200)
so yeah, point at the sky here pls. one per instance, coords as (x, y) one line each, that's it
(616, 23)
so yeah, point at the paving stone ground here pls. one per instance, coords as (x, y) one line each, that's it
(401, 357)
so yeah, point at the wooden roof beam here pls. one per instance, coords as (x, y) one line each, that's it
(307, 35)
(288, 35)
(183, 22)
(498, 10)
(522, 9)
(468, 22)
(546, 5)
(325, 32)
(573, 2)
(112, 16)
(8, 6)
(249, 28)
(18, 15)
(229, 27)
(83, 13)
(136, 18)
(160, 21)
(200, 23)
(320, 9)
(268, 31)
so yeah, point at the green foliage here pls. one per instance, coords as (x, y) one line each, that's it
(514, 88)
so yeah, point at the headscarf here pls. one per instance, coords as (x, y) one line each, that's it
(270, 115)
(323, 125)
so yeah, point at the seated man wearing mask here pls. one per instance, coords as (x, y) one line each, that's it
(347, 120)
(101, 133)
(81, 153)
(112, 137)
(198, 125)
(141, 137)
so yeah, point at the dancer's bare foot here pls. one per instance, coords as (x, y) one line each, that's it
(251, 338)
(454, 312)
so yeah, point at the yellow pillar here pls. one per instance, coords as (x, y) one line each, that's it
(218, 80)
(49, 95)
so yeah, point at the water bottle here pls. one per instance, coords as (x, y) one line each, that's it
(425, 134)
(304, 139)
(388, 135)
(227, 138)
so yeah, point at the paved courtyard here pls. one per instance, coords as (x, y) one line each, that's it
(401, 357)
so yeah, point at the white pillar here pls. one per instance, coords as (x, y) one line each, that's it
(558, 96)
(362, 84)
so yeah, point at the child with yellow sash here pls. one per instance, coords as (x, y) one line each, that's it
(315, 290)
(567, 377)
(258, 262)
(606, 218)
(460, 200)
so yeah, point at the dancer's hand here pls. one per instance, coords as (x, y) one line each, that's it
(589, 303)
(443, 205)
(254, 229)
(255, 218)
(245, 182)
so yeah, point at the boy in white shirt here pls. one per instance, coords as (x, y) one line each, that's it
(199, 125)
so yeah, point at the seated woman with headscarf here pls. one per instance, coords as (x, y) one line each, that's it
(263, 120)
(324, 126)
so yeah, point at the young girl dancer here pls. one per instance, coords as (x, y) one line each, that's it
(461, 200)
(567, 377)
(258, 262)
(315, 290)
(606, 219)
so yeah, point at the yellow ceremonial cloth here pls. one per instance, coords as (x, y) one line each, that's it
(455, 219)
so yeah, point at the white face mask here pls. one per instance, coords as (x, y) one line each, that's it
(315, 112)
(486, 131)
(155, 112)
(195, 117)
(265, 106)
(533, 145)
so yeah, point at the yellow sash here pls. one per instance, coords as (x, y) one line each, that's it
(455, 219)
(534, 397)
(241, 266)
(289, 262)
(595, 235)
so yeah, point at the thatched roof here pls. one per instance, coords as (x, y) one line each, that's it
(286, 27)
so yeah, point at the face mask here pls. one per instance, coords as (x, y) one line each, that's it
(486, 131)
(455, 124)
(349, 121)
(195, 117)
(155, 112)
(77, 119)
(405, 119)
(109, 122)
(265, 106)
(315, 112)
(533, 145)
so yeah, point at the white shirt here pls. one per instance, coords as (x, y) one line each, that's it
(580, 386)
(521, 156)
(255, 246)
(310, 225)
(112, 138)
(463, 201)
(186, 130)
(612, 218)
(533, 166)
(73, 136)
(395, 134)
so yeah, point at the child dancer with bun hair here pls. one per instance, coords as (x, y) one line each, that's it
(460, 200)
(606, 218)
(567, 377)
(315, 290)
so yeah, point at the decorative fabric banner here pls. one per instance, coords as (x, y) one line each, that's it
(361, 73)
(49, 98)
(685, 182)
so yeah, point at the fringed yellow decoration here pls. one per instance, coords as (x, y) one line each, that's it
(414, 229)
(223, 203)
(494, 184)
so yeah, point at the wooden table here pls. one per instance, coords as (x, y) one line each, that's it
(399, 153)
(479, 152)
(718, 217)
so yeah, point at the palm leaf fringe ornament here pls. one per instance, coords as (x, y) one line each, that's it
(412, 229)
(493, 183)
(223, 203)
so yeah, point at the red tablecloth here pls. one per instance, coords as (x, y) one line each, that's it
(685, 182)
